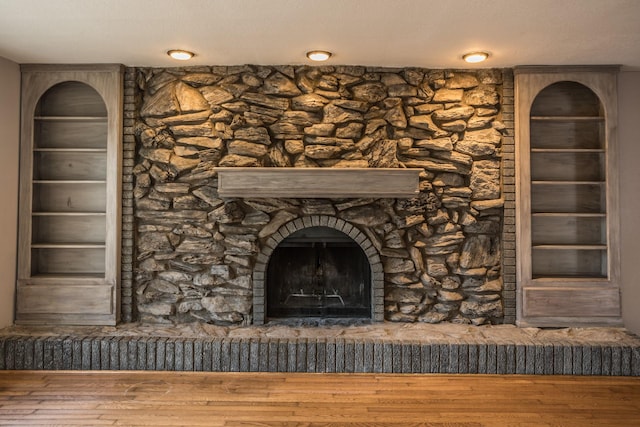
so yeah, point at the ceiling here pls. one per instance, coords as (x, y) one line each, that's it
(390, 33)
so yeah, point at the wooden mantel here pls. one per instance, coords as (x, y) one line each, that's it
(318, 182)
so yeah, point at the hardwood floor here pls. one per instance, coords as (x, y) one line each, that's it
(314, 400)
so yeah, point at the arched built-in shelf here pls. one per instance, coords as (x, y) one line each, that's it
(70, 185)
(567, 230)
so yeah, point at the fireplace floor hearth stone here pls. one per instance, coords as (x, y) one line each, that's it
(377, 347)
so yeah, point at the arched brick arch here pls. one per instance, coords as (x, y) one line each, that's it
(260, 269)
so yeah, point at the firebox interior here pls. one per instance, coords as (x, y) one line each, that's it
(318, 272)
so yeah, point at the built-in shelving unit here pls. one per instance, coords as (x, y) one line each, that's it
(69, 208)
(567, 196)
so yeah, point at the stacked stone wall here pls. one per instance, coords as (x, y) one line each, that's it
(441, 251)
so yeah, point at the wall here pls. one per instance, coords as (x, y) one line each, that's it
(9, 129)
(441, 251)
(629, 113)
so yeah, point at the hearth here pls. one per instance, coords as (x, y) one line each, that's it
(318, 272)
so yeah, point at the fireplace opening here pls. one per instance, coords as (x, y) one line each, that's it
(318, 272)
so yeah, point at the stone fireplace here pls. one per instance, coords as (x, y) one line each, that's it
(199, 255)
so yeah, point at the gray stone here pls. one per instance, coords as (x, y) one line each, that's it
(454, 126)
(485, 180)
(367, 215)
(477, 251)
(370, 92)
(478, 309)
(448, 95)
(234, 160)
(224, 304)
(423, 122)
(157, 308)
(216, 95)
(154, 242)
(275, 103)
(451, 114)
(163, 286)
(475, 149)
(438, 144)
(320, 129)
(351, 105)
(436, 267)
(209, 195)
(462, 81)
(350, 131)
(294, 146)
(278, 84)
(221, 270)
(228, 213)
(309, 102)
(481, 96)
(245, 148)
(173, 99)
(398, 265)
(335, 114)
(277, 221)
(404, 295)
(202, 141)
(159, 155)
(321, 151)
(253, 134)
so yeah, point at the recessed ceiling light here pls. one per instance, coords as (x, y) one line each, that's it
(475, 57)
(181, 55)
(318, 55)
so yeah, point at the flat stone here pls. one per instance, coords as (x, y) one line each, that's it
(234, 160)
(481, 97)
(451, 114)
(309, 102)
(335, 114)
(246, 148)
(279, 84)
(367, 215)
(370, 92)
(216, 95)
(475, 149)
(253, 134)
(448, 95)
(485, 180)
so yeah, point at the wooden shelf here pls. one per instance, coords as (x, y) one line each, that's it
(571, 247)
(568, 118)
(70, 150)
(318, 182)
(568, 150)
(71, 118)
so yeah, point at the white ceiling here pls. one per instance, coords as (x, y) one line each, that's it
(424, 33)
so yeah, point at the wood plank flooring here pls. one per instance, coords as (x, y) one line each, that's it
(135, 398)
